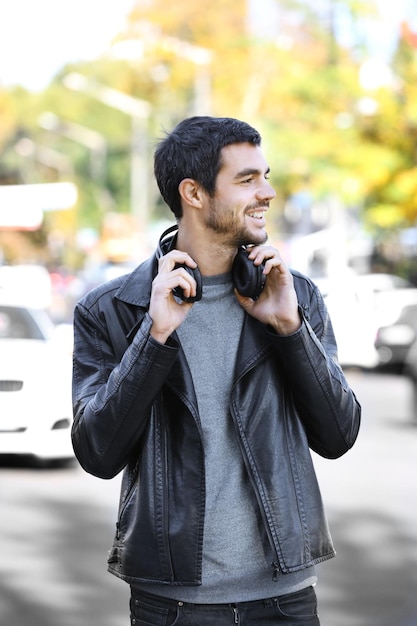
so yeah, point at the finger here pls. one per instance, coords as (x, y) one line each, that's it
(245, 303)
(170, 260)
(270, 258)
(260, 254)
(186, 285)
(168, 282)
(274, 263)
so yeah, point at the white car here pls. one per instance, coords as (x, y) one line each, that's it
(359, 305)
(35, 384)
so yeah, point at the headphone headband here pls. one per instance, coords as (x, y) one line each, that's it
(172, 229)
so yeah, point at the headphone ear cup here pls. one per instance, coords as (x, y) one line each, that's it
(196, 274)
(247, 277)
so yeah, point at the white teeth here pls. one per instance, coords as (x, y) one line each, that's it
(258, 214)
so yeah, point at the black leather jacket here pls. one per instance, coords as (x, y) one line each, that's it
(135, 409)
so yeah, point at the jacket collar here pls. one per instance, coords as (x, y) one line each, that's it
(136, 288)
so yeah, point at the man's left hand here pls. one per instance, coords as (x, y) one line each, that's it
(277, 305)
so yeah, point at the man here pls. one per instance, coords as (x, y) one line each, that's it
(209, 400)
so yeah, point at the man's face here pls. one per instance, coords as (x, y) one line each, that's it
(242, 196)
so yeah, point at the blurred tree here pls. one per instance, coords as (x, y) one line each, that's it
(7, 116)
(291, 67)
(393, 199)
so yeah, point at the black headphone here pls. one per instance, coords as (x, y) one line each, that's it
(248, 278)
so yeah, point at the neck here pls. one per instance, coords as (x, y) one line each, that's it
(211, 255)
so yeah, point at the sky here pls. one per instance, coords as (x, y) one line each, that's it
(38, 37)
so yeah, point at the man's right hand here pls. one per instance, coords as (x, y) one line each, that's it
(166, 312)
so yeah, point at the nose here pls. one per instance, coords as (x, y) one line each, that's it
(266, 191)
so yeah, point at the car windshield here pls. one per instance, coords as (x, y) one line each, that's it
(16, 323)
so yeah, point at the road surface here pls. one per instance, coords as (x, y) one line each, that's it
(57, 525)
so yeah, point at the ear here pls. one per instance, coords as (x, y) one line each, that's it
(190, 192)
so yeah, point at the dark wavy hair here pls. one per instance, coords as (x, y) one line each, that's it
(192, 150)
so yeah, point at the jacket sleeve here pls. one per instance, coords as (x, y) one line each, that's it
(326, 404)
(112, 397)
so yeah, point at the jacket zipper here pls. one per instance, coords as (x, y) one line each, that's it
(126, 499)
(236, 619)
(164, 488)
(275, 564)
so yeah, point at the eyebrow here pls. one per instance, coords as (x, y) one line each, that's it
(249, 171)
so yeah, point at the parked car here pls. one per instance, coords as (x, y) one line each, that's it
(359, 305)
(410, 369)
(35, 384)
(393, 341)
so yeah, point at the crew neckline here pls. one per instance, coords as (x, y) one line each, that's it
(218, 279)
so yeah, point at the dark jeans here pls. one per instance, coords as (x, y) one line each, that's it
(295, 609)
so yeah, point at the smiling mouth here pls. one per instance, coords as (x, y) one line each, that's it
(257, 214)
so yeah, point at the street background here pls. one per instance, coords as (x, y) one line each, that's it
(331, 86)
(57, 525)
